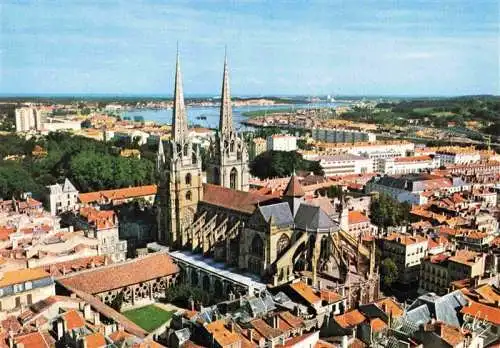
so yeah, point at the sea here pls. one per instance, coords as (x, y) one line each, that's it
(208, 116)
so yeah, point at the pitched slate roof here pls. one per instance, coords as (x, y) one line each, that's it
(310, 217)
(280, 213)
(442, 308)
(117, 276)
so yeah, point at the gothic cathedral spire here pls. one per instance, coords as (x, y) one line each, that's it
(179, 119)
(226, 113)
(228, 159)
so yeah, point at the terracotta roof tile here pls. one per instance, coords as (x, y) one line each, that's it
(294, 188)
(305, 291)
(265, 330)
(350, 319)
(291, 319)
(390, 306)
(377, 325)
(73, 320)
(356, 217)
(35, 340)
(123, 193)
(123, 274)
(451, 335)
(95, 340)
(482, 311)
(221, 334)
(22, 275)
(330, 296)
(241, 201)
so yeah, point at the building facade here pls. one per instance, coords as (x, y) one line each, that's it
(63, 198)
(281, 142)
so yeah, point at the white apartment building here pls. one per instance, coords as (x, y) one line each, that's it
(345, 164)
(63, 198)
(28, 118)
(408, 165)
(54, 125)
(281, 142)
(407, 252)
(448, 157)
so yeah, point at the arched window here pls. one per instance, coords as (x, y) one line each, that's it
(231, 148)
(179, 149)
(188, 179)
(186, 149)
(188, 196)
(194, 159)
(216, 176)
(282, 244)
(233, 178)
(257, 246)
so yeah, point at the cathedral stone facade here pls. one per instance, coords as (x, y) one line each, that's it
(270, 236)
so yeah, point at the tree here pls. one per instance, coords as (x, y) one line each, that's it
(117, 302)
(389, 272)
(272, 164)
(386, 211)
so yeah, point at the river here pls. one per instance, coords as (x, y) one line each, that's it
(211, 113)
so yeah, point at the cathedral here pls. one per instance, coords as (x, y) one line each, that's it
(273, 237)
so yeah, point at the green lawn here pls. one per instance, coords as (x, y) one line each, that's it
(148, 317)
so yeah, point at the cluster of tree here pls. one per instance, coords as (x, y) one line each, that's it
(91, 165)
(184, 296)
(386, 211)
(273, 164)
(389, 273)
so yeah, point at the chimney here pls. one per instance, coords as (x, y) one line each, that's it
(250, 335)
(231, 326)
(276, 321)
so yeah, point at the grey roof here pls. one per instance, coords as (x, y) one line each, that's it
(411, 182)
(280, 212)
(310, 217)
(68, 186)
(257, 306)
(442, 308)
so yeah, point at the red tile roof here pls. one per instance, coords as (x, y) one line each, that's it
(35, 340)
(118, 194)
(294, 188)
(390, 307)
(483, 312)
(451, 335)
(377, 325)
(305, 291)
(350, 319)
(73, 320)
(291, 319)
(330, 296)
(119, 275)
(356, 217)
(264, 329)
(95, 340)
(222, 335)
(241, 201)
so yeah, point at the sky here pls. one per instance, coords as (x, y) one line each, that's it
(274, 47)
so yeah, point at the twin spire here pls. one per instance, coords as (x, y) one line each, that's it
(179, 121)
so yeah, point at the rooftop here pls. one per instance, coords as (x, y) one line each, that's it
(123, 193)
(22, 275)
(119, 275)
